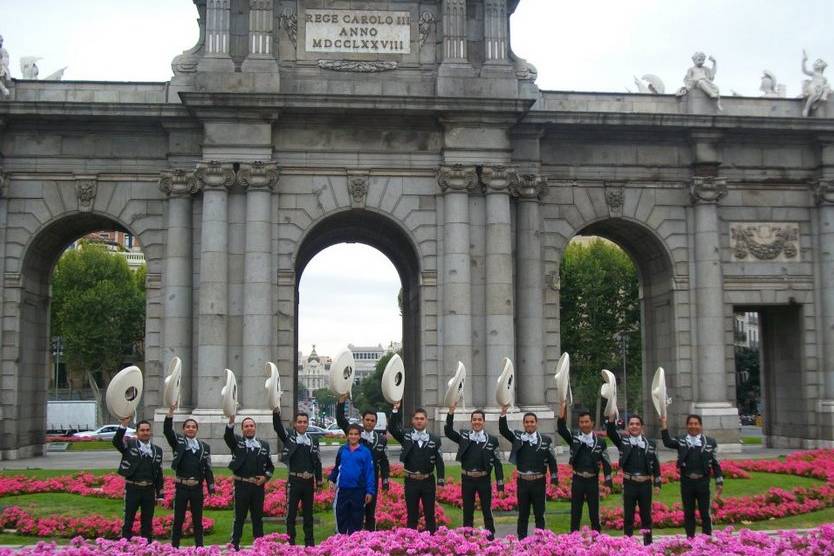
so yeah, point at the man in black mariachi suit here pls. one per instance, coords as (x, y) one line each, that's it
(377, 443)
(141, 466)
(697, 461)
(252, 468)
(641, 469)
(420, 456)
(192, 466)
(587, 454)
(478, 455)
(301, 454)
(532, 453)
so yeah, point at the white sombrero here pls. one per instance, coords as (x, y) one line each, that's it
(171, 391)
(506, 384)
(455, 389)
(660, 399)
(609, 392)
(341, 373)
(393, 380)
(124, 392)
(273, 386)
(229, 395)
(563, 376)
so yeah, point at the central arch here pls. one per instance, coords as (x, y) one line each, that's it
(382, 233)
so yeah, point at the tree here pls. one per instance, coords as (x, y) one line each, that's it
(748, 381)
(98, 307)
(367, 396)
(599, 298)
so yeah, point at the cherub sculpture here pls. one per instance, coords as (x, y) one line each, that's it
(815, 90)
(701, 77)
(5, 73)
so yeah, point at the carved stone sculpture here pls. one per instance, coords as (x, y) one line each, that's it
(85, 191)
(215, 175)
(289, 21)
(357, 66)
(650, 84)
(701, 77)
(5, 72)
(29, 67)
(357, 184)
(765, 241)
(427, 23)
(770, 87)
(258, 175)
(815, 91)
(528, 186)
(823, 192)
(457, 178)
(178, 183)
(707, 189)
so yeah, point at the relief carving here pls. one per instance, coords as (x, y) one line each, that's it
(357, 184)
(85, 191)
(707, 189)
(357, 66)
(457, 178)
(528, 187)
(289, 21)
(214, 175)
(427, 23)
(498, 178)
(824, 192)
(614, 197)
(765, 241)
(258, 175)
(178, 183)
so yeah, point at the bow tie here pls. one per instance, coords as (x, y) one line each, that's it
(192, 444)
(145, 449)
(303, 439)
(587, 439)
(252, 444)
(368, 436)
(532, 438)
(637, 441)
(693, 441)
(477, 436)
(420, 437)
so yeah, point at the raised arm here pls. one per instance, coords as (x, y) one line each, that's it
(805, 65)
(562, 424)
(119, 437)
(613, 434)
(279, 428)
(714, 69)
(168, 429)
(503, 428)
(668, 441)
(449, 429)
(341, 417)
(395, 424)
(229, 435)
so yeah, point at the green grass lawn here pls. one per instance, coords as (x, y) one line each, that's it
(751, 440)
(558, 513)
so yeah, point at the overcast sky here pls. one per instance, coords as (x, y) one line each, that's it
(587, 45)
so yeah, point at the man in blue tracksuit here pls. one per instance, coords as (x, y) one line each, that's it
(354, 478)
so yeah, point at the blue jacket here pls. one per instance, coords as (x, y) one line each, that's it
(354, 469)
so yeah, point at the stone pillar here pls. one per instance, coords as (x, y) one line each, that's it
(179, 186)
(215, 179)
(258, 178)
(496, 31)
(500, 325)
(824, 197)
(456, 182)
(454, 31)
(260, 57)
(218, 20)
(530, 275)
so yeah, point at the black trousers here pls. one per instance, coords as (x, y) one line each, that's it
(249, 498)
(416, 492)
(301, 490)
(139, 499)
(482, 486)
(183, 497)
(584, 490)
(695, 491)
(370, 514)
(637, 494)
(530, 493)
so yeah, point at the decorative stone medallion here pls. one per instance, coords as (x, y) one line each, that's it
(85, 191)
(765, 241)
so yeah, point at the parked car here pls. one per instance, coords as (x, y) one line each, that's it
(316, 432)
(107, 432)
(333, 431)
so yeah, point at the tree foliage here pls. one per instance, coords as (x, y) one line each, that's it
(748, 383)
(599, 298)
(98, 307)
(367, 396)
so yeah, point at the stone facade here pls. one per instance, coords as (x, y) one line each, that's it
(259, 153)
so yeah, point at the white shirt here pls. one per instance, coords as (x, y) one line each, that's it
(420, 437)
(192, 444)
(693, 441)
(252, 444)
(587, 439)
(145, 449)
(478, 436)
(369, 436)
(532, 438)
(637, 441)
(303, 439)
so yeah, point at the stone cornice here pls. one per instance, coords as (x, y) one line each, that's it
(178, 183)
(258, 175)
(707, 189)
(457, 178)
(528, 187)
(215, 175)
(823, 192)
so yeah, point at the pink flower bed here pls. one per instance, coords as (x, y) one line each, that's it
(403, 542)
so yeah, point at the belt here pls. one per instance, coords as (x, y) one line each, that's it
(187, 482)
(474, 474)
(531, 476)
(305, 475)
(139, 483)
(418, 476)
(637, 478)
(252, 480)
(695, 476)
(585, 474)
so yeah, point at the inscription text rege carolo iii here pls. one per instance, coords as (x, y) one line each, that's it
(358, 31)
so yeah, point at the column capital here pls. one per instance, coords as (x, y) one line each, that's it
(178, 183)
(215, 175)
(707, 189)
(528, 187)
(823, 191)
(457, 178)
(498, 178)
(258, 175)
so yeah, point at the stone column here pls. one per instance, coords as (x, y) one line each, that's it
(824, 197)
(705, 193)
(215, 178)
(454, 31)
(496, 31)
(177, 320)
(218, 20)
(456, 182)
(500, 325)
(260, 57)
(258, 178)
(530, 275)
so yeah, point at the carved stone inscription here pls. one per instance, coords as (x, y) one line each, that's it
(765, 241)
(358, 31)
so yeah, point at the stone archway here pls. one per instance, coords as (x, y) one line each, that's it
(382, 233)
